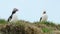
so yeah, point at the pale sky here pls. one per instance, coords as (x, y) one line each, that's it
(31, 10)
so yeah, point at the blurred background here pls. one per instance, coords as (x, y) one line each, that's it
(31, 10)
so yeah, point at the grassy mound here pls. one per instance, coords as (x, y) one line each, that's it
(25, 27)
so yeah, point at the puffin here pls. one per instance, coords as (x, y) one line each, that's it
(44, 17)
(13, 17)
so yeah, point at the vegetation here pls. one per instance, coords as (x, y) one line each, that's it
(25, 27)
(2, 21)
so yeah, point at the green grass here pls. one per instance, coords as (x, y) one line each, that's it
(2, 21)
(46, 23)
(45, 30)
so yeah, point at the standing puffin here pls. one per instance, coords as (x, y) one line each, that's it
(44, 17)
(13, 17)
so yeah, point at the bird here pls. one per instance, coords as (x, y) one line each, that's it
(44, 17)
(13, 17)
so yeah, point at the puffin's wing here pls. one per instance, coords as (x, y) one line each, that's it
(9, 18)
(40, 18)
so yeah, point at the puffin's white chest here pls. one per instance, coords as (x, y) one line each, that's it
(14, 18)
(44, 17)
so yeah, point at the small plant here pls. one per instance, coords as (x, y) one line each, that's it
(45, 30)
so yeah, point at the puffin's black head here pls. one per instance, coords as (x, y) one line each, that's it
(14, 10)
(44, 12)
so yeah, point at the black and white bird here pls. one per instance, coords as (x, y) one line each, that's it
(44, 17)
(13, 17)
